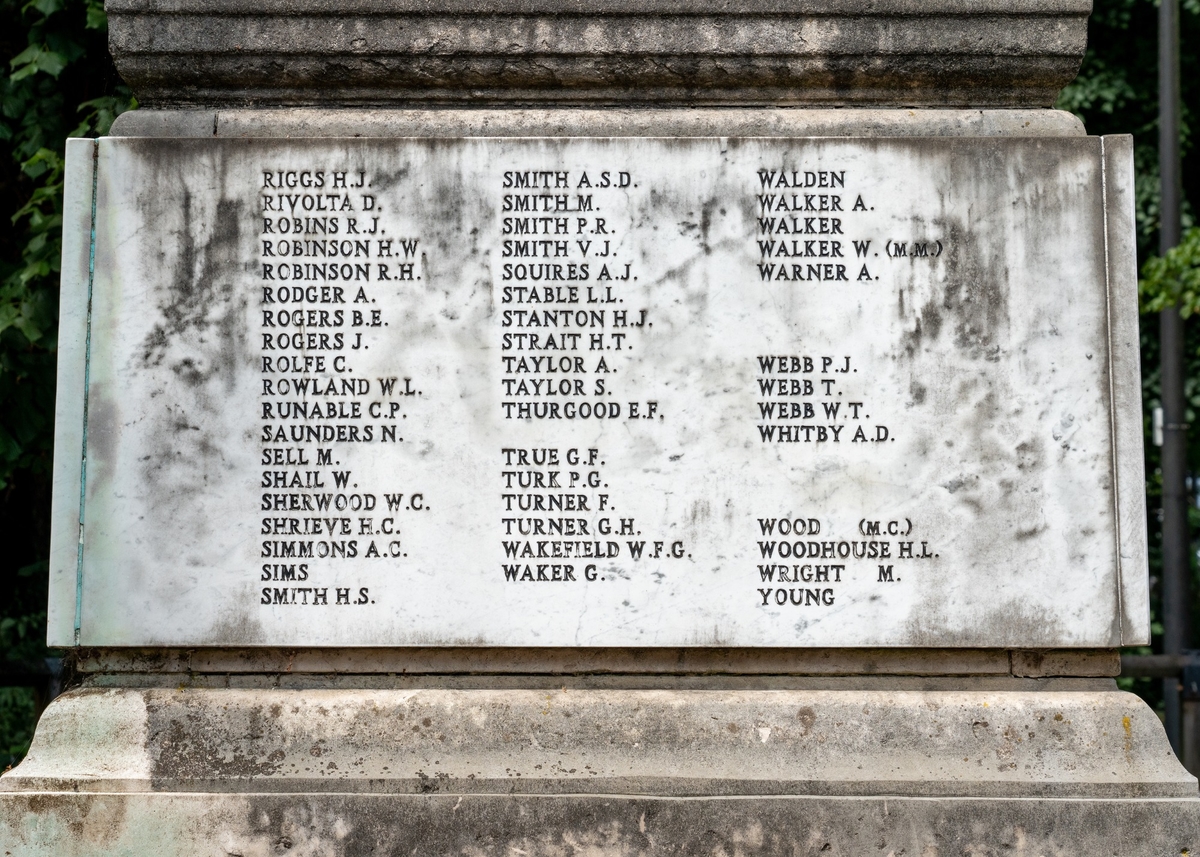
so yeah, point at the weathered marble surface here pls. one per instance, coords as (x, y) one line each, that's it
(995, 371)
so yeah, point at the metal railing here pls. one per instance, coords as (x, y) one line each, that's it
(1185, 669)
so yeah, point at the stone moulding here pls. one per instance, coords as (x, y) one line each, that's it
(595, 121)
(770, 663)
(991, 53)
(678, 743)
(489, 772)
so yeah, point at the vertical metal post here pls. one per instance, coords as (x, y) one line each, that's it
(1176, 559)
(1189, 719)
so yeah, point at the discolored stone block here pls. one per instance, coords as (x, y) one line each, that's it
(897, 53)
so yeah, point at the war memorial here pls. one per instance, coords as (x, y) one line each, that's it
(568, 427)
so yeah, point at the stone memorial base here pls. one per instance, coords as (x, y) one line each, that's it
(1007, 759)
(533, 752)
(242, 749)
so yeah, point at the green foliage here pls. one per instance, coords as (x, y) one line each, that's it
(1116, 92)
(63, 43)
(1173, 280)
(17, 710)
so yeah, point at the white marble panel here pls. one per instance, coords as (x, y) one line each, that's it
(610, 392)
(65, 567)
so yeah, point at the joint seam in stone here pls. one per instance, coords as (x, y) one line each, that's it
(87, 366)
(1112, 396)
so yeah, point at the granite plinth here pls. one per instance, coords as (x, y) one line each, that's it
(663, 742)
(619, 772)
